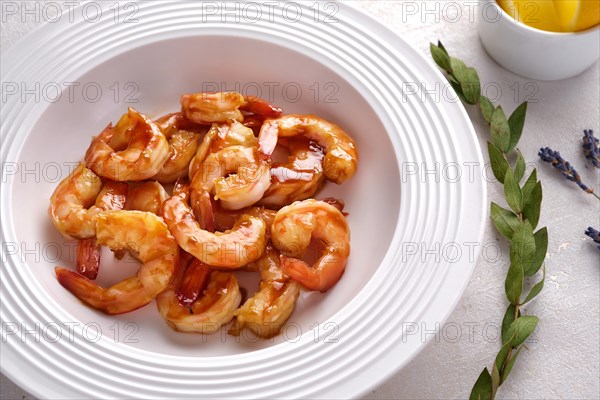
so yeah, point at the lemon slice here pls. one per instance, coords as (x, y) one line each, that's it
(554, 15)
(585, 15)
(539, 14)
(567, 11)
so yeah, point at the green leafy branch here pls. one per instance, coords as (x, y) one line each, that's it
(517, 222)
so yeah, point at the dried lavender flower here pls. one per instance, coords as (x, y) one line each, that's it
(568, 171)
(594, 234)
(591, 148)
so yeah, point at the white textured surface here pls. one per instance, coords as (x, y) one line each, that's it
(563, 358)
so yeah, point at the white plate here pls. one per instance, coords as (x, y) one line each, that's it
(414, 224)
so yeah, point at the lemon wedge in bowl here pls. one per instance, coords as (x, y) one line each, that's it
(587, 15)
(554, 15)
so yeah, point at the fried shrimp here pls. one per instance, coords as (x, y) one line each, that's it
(292, 230)
(146, 236)
(234, 248)
(111, 197)
(71, 204)
(214, 307)
(341, 154)
(148, 196)
(217, 138)
(183, 145)
(133, 150)
(298, 179)
(236, 175)
(268, 309)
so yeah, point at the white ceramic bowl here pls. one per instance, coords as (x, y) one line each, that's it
(535, 53)
(337, 344)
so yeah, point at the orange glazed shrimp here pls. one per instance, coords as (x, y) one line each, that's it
(134, 150)
(236, 175)
(111, 197)
(148, 196)
(206, 108)
(341, 154)
(298, 179)
(292, 230)
(225, 219)
(183, 146)
(244, 243)
(70, 204)
(260, 107)
(217, 138)
(214, 307)
(268, 309)
(146, 236)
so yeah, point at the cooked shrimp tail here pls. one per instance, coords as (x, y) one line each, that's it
(88, 258)
(202, 205)
(123, 297)
(112, 196)
(260, 107)
(194, 281)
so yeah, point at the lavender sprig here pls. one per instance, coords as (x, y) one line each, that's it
(594, 234)
(553, 157)
(591, 148)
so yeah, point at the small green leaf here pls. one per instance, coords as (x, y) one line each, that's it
(482, 390)
(531, 210)
(500, 130)
(458, 68)
(519, 167)
(536, 289)
(541, 247)
(512, 192)
(487, 108)
(501, 357)
(504, 220)
(495, 379)
(509, 317)
(522, 328)
(513, 286)
(441, 46)
(440, 57)
(522, 246)
(468, 79)
(498, 162)
(471, 86)
(529, 185)
(516, 122)
(510, 364)
(458, 90)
